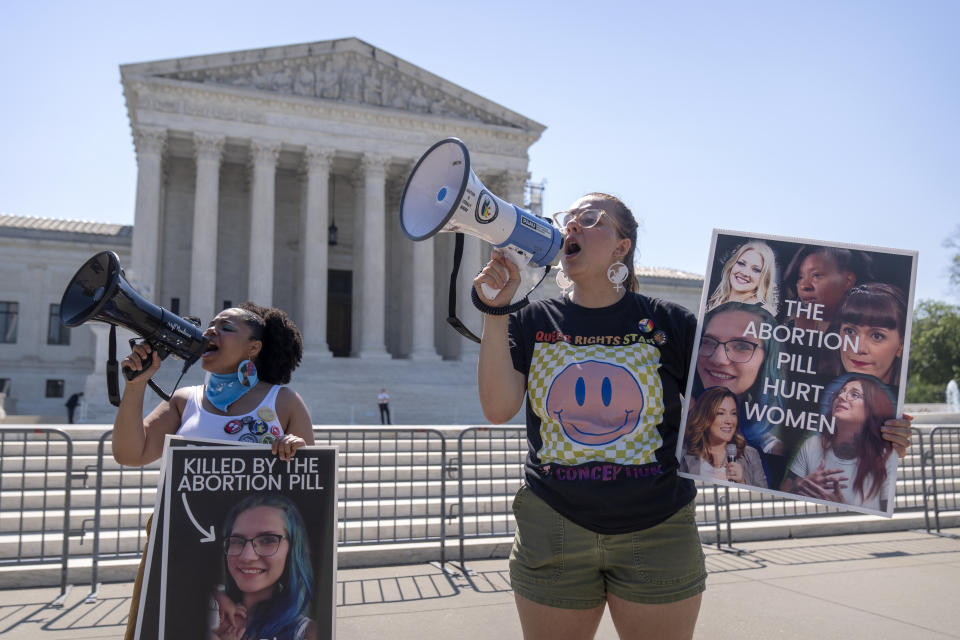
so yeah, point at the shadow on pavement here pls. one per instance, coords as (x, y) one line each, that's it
(497, 581)
(15, 614)
(104, 613)
(26, 612)
(398, 589)
(920, 544)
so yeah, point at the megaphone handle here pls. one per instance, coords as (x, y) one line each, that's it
(489, 292)
(129, 373)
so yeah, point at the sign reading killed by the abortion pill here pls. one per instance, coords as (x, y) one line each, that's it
(801, 356)
(248, 543)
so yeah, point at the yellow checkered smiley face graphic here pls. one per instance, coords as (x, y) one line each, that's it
(595, 402)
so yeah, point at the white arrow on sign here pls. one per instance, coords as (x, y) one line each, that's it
(209, 536)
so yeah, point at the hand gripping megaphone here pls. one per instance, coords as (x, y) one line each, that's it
(443, 194)
(99, 291)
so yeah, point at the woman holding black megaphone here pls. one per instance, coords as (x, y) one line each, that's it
(251, 352)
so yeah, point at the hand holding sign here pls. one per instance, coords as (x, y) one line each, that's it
(808, 339)
(823, 483)
(232, 621)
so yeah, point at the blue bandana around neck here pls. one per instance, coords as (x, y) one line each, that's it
(223, 389)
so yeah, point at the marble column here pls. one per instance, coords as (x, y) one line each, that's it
(150, 143)
(208, 150)
(373, 257)
(101, 337)
(356, 290)
(513, 185)
(263, 175)
(313, 241)
(424, 311)
(422, 315)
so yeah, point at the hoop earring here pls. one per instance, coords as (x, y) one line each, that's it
(247, 374)
(563, 282)
(616, 274)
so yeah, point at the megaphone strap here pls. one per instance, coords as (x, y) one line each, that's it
(452, 318)
(497, 311)
(113, 387)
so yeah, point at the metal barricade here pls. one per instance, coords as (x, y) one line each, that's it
(36, 470)
(392, 485)
(393, 488)
(125, 498)
(489, 470)
(712, 507)
(944, 457)
(910, 471)
(752, 506)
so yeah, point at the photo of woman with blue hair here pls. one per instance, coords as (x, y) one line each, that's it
(268, 581)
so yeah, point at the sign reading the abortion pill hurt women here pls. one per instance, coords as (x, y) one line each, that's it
(248, 543)
(801, 356)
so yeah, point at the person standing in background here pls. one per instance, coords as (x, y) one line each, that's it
(72, 403)
(383, 401)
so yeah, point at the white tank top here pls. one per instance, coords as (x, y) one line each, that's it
(260, 426)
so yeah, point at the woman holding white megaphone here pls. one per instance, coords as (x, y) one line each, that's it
(251, 353)
(603, 519)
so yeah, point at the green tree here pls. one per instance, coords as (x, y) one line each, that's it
(953, 242)
(934, 351)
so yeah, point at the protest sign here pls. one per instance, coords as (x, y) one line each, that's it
(248, 543)
(148, 612)
(801, 355)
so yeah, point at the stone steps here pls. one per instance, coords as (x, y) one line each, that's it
(342, 391)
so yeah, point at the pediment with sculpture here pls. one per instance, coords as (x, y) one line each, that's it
(347, 77)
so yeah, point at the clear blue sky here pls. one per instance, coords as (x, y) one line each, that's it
(828, 120)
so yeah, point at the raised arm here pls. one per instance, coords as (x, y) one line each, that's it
(137, 440)
(501, 387)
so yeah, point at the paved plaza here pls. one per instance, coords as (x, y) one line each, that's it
(885, 585)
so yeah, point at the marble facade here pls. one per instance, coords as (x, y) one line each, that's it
(245, 159)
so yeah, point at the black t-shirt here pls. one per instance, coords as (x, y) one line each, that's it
(603, 408)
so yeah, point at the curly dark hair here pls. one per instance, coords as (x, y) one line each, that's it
(859, 263)
(282, 347)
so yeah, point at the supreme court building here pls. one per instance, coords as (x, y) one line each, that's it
(275, 175)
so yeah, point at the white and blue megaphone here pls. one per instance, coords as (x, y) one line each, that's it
(443, 194)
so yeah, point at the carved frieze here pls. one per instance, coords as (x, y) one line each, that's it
(322, 117)
(345, 77)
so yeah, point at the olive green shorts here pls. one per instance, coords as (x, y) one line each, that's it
(560, 564)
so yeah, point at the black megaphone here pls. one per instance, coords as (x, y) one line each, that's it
(99, 291)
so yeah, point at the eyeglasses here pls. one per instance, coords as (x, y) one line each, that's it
(850, 395)
(737, 350)
(266, 544)
(586, 219)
